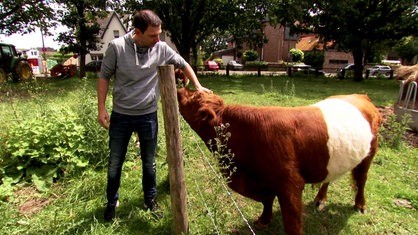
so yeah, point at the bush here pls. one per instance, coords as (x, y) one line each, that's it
(256, 64)
(250, 55)
(391, 134)
(296, 55)
(315, 59)
(219, 61)
(45, 146)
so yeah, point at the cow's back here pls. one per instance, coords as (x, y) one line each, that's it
(352, 125)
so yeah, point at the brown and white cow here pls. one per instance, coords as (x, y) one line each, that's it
(277, 150)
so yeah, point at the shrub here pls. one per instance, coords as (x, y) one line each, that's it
(55, 142)
(250, 55)
(219, 61)
(296, 55)
(315, 59)
(256, 64)
(391, 134)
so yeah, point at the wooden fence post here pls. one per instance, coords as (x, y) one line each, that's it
(167, 84)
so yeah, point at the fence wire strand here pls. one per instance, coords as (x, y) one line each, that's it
(219, 178)
(206, 206)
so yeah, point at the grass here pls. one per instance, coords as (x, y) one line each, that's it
(75, 204)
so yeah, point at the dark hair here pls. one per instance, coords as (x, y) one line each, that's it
(144, 18)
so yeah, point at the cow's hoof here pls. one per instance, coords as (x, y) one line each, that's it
(361, 209)
(258, 225)
(320, 205)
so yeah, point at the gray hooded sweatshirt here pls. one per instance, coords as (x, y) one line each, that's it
(135, 89)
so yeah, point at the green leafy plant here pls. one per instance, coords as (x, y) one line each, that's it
(250, 55)
(53, 142)
(296, 55)
(391, 134)
(256, 64)
(315, 59)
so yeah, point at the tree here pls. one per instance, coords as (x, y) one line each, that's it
(191, 23)
(407, 48)
(215, 42)
(354, 25)
(24, 16)
(80, 16)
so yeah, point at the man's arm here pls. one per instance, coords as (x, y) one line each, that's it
(102, 89)
(188, 71)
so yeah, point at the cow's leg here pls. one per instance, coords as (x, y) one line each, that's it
(267, 214)
(321, 197)
(290, 200)
(360, 176)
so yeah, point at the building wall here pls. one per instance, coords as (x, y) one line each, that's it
(271, 50)
(278, 45)
(336, 59)
(107, 37)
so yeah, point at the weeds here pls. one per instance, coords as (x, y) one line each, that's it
(392, 132)
(219, 148)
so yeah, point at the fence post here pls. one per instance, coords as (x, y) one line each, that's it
(178, 194)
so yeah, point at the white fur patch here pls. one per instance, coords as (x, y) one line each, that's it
(349, 133)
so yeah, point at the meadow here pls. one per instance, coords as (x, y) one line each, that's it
(53, 159)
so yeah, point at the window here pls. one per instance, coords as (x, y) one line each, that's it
(7, 51)
(116, 33)
(338, 61)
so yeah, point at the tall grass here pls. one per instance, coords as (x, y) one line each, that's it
(74, 205)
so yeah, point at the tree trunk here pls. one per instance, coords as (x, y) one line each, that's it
(358, 64)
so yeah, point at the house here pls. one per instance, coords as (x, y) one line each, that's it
(280, 41)
(111, 27)
(333, 60)
(114, 26)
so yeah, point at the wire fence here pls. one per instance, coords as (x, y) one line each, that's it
(211, 187)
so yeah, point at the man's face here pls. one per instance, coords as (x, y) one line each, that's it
(150, 37)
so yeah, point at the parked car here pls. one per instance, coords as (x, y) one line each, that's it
(93, 66)
(304, 69)
(380, 70)
(342, 72)
(234, 65)
(211, 65)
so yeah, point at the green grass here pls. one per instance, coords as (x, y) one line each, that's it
(75, 204)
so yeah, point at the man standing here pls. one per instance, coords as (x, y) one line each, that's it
(133, 61)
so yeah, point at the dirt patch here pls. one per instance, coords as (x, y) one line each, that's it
(409, 137)
(30, 201)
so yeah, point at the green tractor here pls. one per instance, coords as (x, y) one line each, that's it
(13, 65)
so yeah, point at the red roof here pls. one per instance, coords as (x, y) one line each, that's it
(310, 42)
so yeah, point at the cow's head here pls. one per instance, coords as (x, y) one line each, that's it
(181, 79)
(197, 107)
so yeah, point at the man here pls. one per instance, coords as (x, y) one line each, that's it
(133, 61)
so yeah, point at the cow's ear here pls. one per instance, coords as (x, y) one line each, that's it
(206, 114)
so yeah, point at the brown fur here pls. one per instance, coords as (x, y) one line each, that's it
(276, 150)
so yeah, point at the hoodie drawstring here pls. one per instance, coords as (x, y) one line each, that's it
(136, 55)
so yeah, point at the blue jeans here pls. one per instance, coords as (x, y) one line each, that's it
(120, 132)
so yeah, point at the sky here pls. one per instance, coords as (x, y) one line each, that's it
(32, 40)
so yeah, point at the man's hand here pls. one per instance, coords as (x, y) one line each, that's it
(104, 119)
(204, 89)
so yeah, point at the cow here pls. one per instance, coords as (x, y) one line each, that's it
(277, 150)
